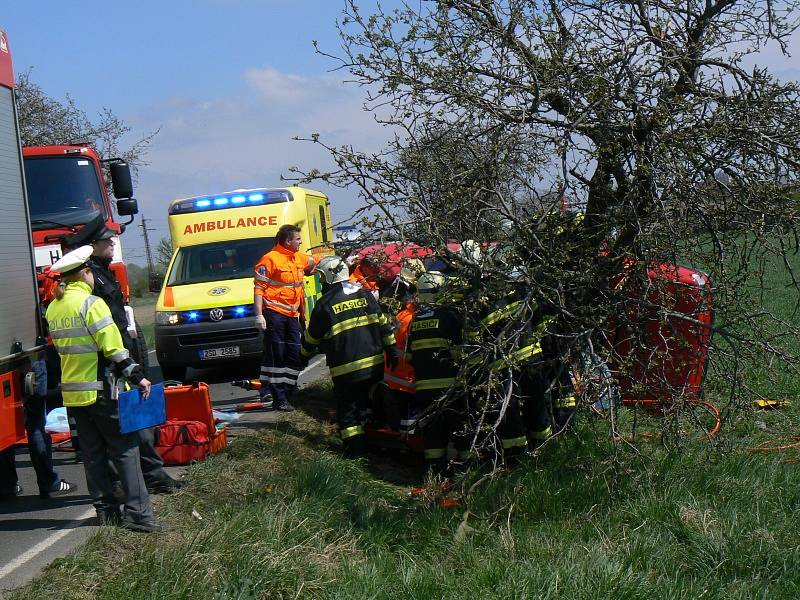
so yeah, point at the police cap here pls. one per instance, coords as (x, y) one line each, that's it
(72, 261)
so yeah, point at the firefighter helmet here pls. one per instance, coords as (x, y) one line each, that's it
(333, 269)
(429, 285)
(412, 269)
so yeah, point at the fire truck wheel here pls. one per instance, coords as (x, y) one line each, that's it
(142, 357)
(173, 372)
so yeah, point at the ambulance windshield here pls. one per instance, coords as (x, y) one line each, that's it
(232, 259)
(63, 189)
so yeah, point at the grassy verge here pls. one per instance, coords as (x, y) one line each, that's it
(284, 516)
(281, 515)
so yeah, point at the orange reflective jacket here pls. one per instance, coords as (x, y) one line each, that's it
(365, 277)
(401, 378)
(279, 279)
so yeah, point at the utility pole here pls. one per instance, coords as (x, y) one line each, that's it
(148, 251)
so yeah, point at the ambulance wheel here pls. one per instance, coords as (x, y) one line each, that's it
(140, 350)
(173, 372)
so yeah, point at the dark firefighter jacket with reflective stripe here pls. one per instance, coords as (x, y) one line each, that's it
(435, 332)
(347, 324)
(88, 341)
(514, 330)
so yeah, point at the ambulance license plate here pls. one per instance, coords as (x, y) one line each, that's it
(227, 352)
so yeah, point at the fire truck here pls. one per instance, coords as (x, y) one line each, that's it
(21, 342)
(66, 191)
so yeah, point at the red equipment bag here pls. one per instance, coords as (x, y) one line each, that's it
(192, 404)
(181, 442)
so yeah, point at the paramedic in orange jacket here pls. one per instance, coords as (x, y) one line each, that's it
(278, 301)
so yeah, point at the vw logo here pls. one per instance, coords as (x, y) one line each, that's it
(219, 291)
(216, 314)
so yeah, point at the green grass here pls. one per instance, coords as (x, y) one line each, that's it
(285, 516)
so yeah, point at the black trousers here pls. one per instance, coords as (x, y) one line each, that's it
(444, 419)
(101, 440)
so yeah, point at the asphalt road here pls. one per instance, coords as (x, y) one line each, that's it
(35, 532)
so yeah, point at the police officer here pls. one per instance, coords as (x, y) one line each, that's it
(93, 365)
(434, 338)
(107, 287)
(347, 324)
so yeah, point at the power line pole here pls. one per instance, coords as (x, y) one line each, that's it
(147, 249)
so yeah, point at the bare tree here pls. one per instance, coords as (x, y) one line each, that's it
(642, 114)
(44, 120)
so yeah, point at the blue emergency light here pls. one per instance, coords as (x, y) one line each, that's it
(193, 315)
(222, 202)
(240, 311)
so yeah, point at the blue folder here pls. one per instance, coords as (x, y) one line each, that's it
(137, 413)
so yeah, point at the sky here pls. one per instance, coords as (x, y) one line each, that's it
(226, 83)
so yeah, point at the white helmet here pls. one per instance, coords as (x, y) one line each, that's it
(412, 269)
(429, 285)
(333, 269)
(470, 253)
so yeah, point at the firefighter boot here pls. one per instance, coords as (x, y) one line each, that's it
(355, 446)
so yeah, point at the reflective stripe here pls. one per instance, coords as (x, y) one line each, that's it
(87, 304)
(398, 380)
(352, 323)
(120, 356)
(81, 386)
(566, 402)
(434, 453)
(98, 325)
(288, 380)
(429, 343)
(434, 384)
(280, 371)
(311, 339)
(514, 442)
(349, 432)
(357, 365)
(77, 349)
(279, 283)
(281, 305)
(517, 356)
(70, 333)
(129, 369)
(543, 434)
(389, 340)
(500, 314)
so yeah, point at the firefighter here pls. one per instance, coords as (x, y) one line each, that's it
(506, 329)
(94, 363)
(278, 301)
(434, 338)
(347, 324)
(398, 382)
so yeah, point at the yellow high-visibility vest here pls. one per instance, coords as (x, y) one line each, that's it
(81, 327)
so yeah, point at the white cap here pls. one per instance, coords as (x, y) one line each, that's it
(72, 261)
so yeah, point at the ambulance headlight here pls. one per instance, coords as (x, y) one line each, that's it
(166, 318)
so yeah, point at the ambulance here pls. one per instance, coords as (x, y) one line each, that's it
(204, 315)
